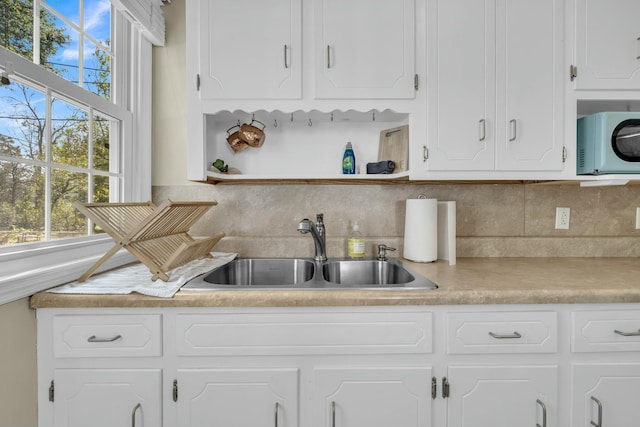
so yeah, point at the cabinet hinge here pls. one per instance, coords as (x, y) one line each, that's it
(175, 390)
(416, 82)
(573, 72)
(564, 154)
(52, 390)
(445, 387)
(198, 82)
(434, 387)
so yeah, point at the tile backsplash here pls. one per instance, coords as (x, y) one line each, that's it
(493, 220)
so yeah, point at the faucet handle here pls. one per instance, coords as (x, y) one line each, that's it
(320, 218)
(382, 252)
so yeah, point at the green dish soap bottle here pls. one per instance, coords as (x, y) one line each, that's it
(355, 244)
(349, 160)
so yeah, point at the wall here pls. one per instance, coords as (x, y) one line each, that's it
(505, 220)
(493, 220)
(18, 394)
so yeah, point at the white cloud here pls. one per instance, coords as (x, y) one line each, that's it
(69, 55)
(97, 16)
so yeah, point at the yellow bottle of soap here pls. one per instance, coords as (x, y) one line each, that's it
(355, 243)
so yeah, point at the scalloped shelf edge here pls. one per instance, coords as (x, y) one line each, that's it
(387, 115)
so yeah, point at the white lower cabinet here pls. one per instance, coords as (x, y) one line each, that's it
(106, 398)
(606, 394)
(401, 366)
(237, 397)
(351, 397)
(502, 396)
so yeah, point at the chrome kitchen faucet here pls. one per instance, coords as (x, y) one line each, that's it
(318, 232)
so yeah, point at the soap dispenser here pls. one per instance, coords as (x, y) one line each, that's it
(355, 244)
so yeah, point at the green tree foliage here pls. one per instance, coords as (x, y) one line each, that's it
(16, 30)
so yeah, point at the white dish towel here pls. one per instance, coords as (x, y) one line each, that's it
(137, 278)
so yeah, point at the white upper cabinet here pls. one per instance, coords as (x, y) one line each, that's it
(607, 44)
(250, 49)
(461, 85)
(364, 49)
(495, 86)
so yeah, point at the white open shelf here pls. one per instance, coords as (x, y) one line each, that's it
(301, 145)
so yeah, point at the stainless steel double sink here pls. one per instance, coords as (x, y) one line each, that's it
(305, 273)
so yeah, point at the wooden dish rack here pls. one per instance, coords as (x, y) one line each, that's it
(156, 235)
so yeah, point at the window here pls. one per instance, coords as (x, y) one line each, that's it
(55, 150)
(74, 96)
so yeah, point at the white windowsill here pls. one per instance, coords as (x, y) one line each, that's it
(28, 269)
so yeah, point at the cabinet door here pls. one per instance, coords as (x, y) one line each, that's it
(374, 397)
(607, 44)
(529, 85)
(502, 396)
(364, 49)
(237, 397)
(107, 397)
(461, 88)
(249, 49)
(608, 392)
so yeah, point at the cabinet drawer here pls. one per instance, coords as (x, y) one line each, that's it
(107, 335)
(303, 333)
(508, 332)
(615, 330)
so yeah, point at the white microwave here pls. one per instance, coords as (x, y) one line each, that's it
(609, 142)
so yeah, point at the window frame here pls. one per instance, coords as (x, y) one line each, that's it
(33, 267)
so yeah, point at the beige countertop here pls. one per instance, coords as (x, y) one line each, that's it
(470, 281)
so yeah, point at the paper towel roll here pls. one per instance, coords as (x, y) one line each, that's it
(421, 230)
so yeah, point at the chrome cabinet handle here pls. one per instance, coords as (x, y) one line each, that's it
(93, 338)
(544, 413)
(482, 129)
(599, 423)
(514, 335)
(328, 56)
(276, 420)
(514, 130)
(133, 414)
(286, 62)
(638, 40)
(333, 413)
(628, 334)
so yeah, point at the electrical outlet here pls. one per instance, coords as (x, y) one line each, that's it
(562, 218)
(637, 218)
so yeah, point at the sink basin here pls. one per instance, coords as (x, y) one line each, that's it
(304, 273)
(261, 272)
(365, 272)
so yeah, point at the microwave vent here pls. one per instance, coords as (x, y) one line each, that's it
(581, 156)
